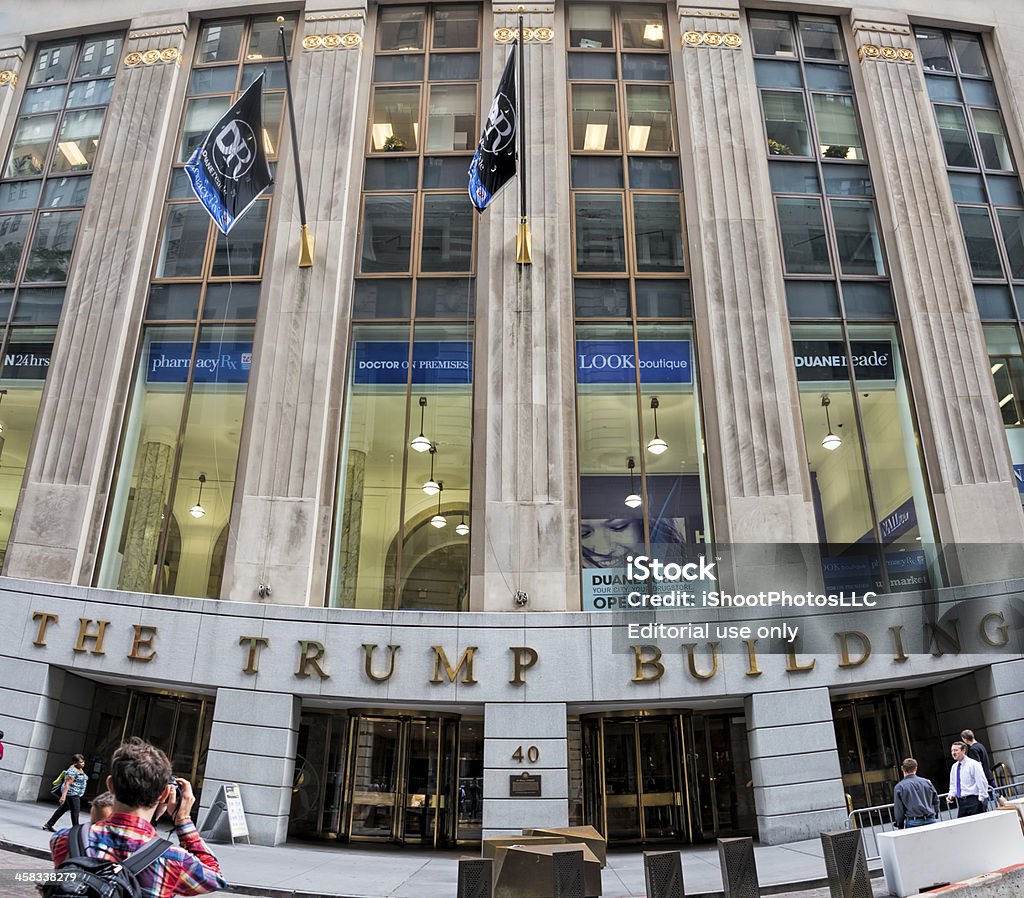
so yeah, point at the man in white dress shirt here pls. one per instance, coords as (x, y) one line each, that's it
(968, 787)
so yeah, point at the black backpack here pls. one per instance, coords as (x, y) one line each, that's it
(93, 877)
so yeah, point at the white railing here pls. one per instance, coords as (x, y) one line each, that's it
(879, 819)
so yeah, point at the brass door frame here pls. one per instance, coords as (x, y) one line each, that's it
(435, 800)
(178, 698)
(897, 729)
(680, 800)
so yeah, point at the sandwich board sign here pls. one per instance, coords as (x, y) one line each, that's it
(226, 819)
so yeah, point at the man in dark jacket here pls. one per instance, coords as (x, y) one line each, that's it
(980, 754)
(915, 800)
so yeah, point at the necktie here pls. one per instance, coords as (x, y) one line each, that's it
(958, 763)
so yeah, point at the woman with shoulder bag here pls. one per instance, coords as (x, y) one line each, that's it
(71, 792)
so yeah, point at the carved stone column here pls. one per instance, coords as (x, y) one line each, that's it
(285, 495)
(11, 60)
(57, 524)
(760, 484)
(145, 518)
(969, 468)
(524, 492)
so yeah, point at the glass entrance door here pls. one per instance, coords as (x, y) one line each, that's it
(377, 759)
(718, 762)
(871, 738)
(633, 778)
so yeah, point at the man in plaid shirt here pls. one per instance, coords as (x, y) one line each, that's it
(142, 785)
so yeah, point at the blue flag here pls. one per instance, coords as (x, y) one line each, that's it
(494, 163)
(229, 169)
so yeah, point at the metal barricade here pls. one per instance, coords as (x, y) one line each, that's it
(663, 874)
(475, 877)
(879, 819)
(568, 875)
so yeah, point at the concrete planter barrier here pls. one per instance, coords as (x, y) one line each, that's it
(915, 860)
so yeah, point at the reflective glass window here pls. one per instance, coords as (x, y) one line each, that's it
(785, 118)
(386, 233)
(995, 149)
(53, 63)
(456, 27)
(859, 249)
(934, 52)
(451, 118)
(54, 240)
(772, 34)
(956, 140)
(821, 38)
(649, 119)
(969, 55)
(981, 242)
(395, 123)
(838, 134)
(447, 242)
(595, 122)
(643, 27)
(802, 227)
(658, 233)
(400, 28)
(600, 233)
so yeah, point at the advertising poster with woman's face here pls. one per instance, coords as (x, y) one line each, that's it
(611, 532)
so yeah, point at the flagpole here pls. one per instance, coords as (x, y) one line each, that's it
(523, 233)
(305, 238)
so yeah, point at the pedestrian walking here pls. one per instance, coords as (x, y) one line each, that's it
(968, 787)
(72, 790)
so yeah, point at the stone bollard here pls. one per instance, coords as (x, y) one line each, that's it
(846, 864)
(663, 874)
(567, 870)
(475, 877)
(739, 870)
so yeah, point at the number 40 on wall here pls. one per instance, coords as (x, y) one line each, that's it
(531, 755)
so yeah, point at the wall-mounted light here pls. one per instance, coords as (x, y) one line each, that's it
(657, 445)
(432, 487)
(421, 443)
(462, 528)
(439, 520)
(633, 500)
(830, 441)
(197, 510)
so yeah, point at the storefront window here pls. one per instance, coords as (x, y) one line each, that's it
(403, 520)
(169, 518)
(990, 205)
(870, 502)
(641, 463)
(45, 185)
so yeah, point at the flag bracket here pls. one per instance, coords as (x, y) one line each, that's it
(305, 248)
(524, 246)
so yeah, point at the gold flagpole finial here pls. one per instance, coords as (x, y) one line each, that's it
(305, 248)
(523, 243)
(280, 20)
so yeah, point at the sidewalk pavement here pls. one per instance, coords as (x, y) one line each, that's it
(347, 871)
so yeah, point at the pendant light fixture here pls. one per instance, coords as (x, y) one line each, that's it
(439, 520)
(432, 487)
(462, 528)
(421, 443)
(197, 510)
(657, 445)
(633, 500)
(830, 441)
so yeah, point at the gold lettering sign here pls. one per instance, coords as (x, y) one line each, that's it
(844, 638)
(643, 662)
(96, 638)
(256, 643)
(441, 660)
(692, 661)
(44, 618)
(143, 639)
(368, 662)
(1002, 630)
(793, 664)
(310, 654)
(752, 669)
(897, 640)
(950, 637)
(523, 658)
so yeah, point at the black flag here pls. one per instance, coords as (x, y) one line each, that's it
(494, 163)
(229, 170)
